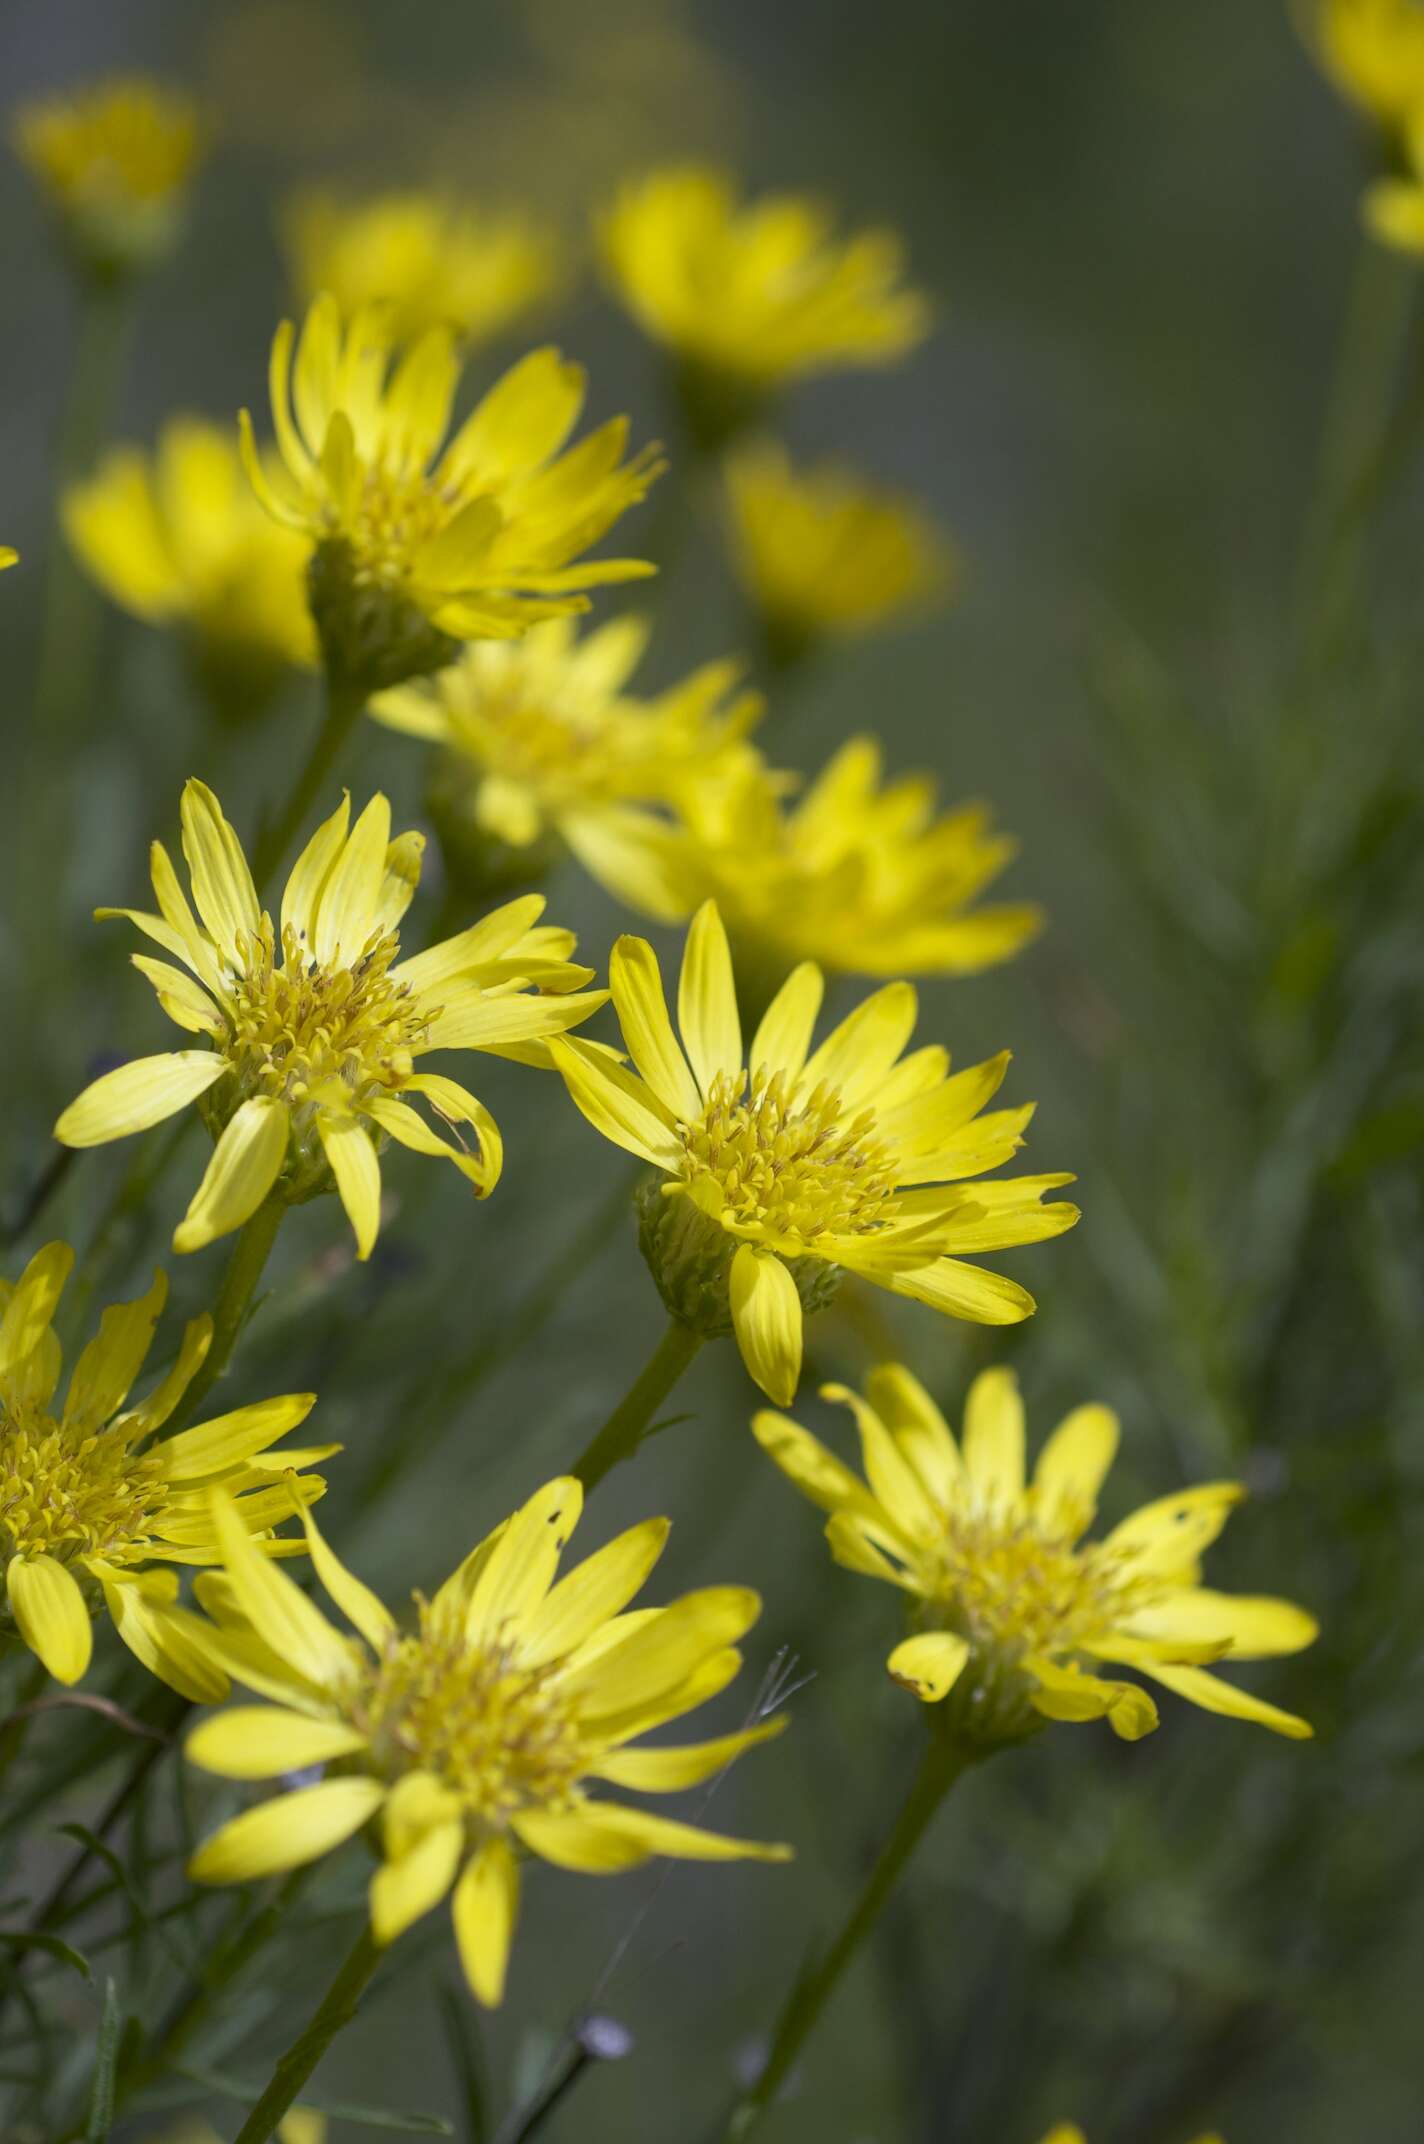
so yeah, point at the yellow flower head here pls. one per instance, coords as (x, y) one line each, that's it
(1372, 50)
(542, 738)
(434, 263)
(476, 541)
(177, 538)
(115, 162)
(1008, 1603)
(781, 1167)
(312, 1025)
(475, 1730)
(8, 557)
(857, 876)
(762, 292)
(1394, 207)
(821, 552)
(91, 1497)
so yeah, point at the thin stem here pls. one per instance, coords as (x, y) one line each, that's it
(943, 1762)
(631, 1419)
(345, 701)
(339, 2006)
(244, 1270)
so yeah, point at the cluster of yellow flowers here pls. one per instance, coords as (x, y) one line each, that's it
(1373, 51)
(438, 576)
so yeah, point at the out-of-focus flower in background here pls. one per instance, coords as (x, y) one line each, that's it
(114, 163)
(92, 1513)
(8, 557)
(178, 538)
(1372, 50)
(782, 1167)
(752, 295)
(1007, 1603)
(313, 1026)
(543, 744)
(1070, 2133)
(859, 875)
(1394, 207)
(302, 2126)
(479, 1732)
(821, 552)
(433, 261)
(412, 550)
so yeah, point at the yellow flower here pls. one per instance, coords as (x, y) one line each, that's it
(1002, 1589)
(8, 557)
(91, 1496)
(542, 738)
(858, 876)
(115, 161)
(313, 1024)
(762, 292)
(1394, 208)
(780, 1168)
(474, 1733)
(1372, 50)
(820, 551)
(433, 262)
(479, 543)
(177, 538)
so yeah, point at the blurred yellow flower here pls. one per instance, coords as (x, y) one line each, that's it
(1394, 208)
(433, 262)
(91, 1497)
(302, 2126)
(821, 552)
(761, 292)
(177, 538)
(1070, 2133)
(1372, 50)
(861, 877)
(313, 1025)
(542, 738)
(478, 1732)
(477, 544)
(8, 557)
(114, 162)
(1003, 1591)
(781, 1168)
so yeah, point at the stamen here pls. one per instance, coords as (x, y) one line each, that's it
(795, 1164)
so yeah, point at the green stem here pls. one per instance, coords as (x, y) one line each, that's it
(944, 1760)
(631, 1419)
(339, 2006)
(345, 702)
(239, 1284)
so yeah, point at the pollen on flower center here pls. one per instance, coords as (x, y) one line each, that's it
(397, 511)
(492, 1731)
(1018, 1590)
(67, 1492)
(790, 1163)
(302, 1027)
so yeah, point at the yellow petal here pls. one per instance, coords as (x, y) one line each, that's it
(473, 949)
(287, 1832)
(662, 1652)
(598, 1588)
(601, 1838)
(766, 1317)
(522, 1564)
(707, 1001)
(1165, 1538)
(815, 1470)
(223, 891)
(784, 1036)
(403, 1891)
(856, 1056)
(32, 1305)
(1243, 1626)
(302, 897)
(138, 1095)
(50, 1615)
(617, 1103)
(647, 1030)
(280, 1613)
(361, 1607)
(157, 1638)
(474, 1021)
(894, 1483)
(152, 1413)
(1214, 1695)
(919, 1429)
(244, 1166)
(263, 1742)
(1072, 1467)
(668, 1770)
(961, 1291)
(410, 1130)
(929, 1664)
(347, 908)
(348, 1147)
(994, 1439)
(228, 1440)
(486, 1909)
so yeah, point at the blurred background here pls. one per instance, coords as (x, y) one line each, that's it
(1138, 222)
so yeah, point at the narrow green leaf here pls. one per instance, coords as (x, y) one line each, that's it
(53, 1946)
(106, 2061)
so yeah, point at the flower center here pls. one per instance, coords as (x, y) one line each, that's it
(302, 1031)
(1010, 1587)
(522, 738)
(397, 512)
(490, 1730)
(789, 1163)
(68, 1493)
